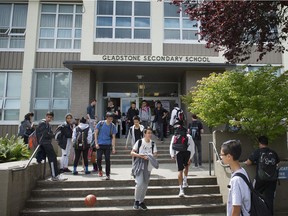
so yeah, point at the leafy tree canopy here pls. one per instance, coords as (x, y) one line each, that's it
(235, 27)
(256, 101)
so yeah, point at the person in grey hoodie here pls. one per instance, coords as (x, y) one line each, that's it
(145, 114)
(147, 147)
(81, 138)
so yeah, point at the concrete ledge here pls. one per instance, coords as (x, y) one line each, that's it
(16, 186)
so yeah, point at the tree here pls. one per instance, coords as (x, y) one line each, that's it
(236, 27)
(257, 101)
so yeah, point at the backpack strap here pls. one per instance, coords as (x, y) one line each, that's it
(241, 175)
(153, 144)
(139, 145)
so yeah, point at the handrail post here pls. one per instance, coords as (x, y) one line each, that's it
(209, 148)
(44, 170)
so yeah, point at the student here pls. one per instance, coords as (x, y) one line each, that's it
(183, 159)
(44, 136)
(64, 138)
(135, 132)
(144, 155)
(26, 127)
(132, 111)
(160, 115)
(81, 138)
(239, 197)
(145, 114)
(195, 130)
(105, 132)
(267, 186)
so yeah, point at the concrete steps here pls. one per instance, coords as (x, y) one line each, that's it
(115, 197)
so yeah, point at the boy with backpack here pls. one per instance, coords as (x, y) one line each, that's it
(135, 132)
(195, 129)
(177, 116)
(266, 161)
(81, 138)
(239, 196)
(105, 136)
(182, 150)
(144, 152)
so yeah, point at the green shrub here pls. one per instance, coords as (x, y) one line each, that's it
(256, 101)
(13, 149)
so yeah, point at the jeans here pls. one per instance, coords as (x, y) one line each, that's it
(198, 153)
(106, 150)
(78, 155)
(159, 129)
(52, 158)
(141, 187)
(65, 154)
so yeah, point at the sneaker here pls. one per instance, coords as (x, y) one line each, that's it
(136, 205)
(185, 184)
(143, 206)
(59, 178)
(95, 170)
(181, 193)
(87, 172)
(100, 173)
(67, 170)
(61, 171)
(75, 173)
(107, 177)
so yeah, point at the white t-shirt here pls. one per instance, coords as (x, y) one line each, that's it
(145, 149)
(239, 194)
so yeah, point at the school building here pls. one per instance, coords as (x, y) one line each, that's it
(57, 55)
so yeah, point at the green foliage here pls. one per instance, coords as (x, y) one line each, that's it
(13, 149)
(256, 101)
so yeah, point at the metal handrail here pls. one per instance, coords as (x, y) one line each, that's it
(24, 167)
(212, 144)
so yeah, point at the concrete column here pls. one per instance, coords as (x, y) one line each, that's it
(88, 29)
(157, 27)
(285, 56)
(29, 55)
(80, 92)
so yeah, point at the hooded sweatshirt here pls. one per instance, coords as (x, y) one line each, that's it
(82, 127)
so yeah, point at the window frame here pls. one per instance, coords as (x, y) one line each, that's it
(11, 27)
(113, 27)
(5, 98)
(51, 98)
(181, 17)
(55, 37)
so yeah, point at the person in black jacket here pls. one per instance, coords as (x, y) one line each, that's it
(132, 111)
(44, 135)
(64, 138)
(160, 115)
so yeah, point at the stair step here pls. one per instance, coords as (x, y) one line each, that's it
(124, 191)
(127, 210)
(92, 182)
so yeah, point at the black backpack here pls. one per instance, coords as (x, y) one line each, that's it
(194, 130)
(258, 204)
(180, 141)
(267, 166)
(81, 138)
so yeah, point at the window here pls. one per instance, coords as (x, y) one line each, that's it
(10, 93)
(177, 25)
(60, 26)
(119, 19)
(13, 25)
(52, 93)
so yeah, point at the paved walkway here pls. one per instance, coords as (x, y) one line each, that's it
(123, 172)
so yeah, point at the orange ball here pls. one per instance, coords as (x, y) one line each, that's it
(90, 200)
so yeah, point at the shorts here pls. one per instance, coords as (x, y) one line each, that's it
(182, 159)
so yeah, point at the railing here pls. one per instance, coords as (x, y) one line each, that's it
(212, 149)
(24, 167)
